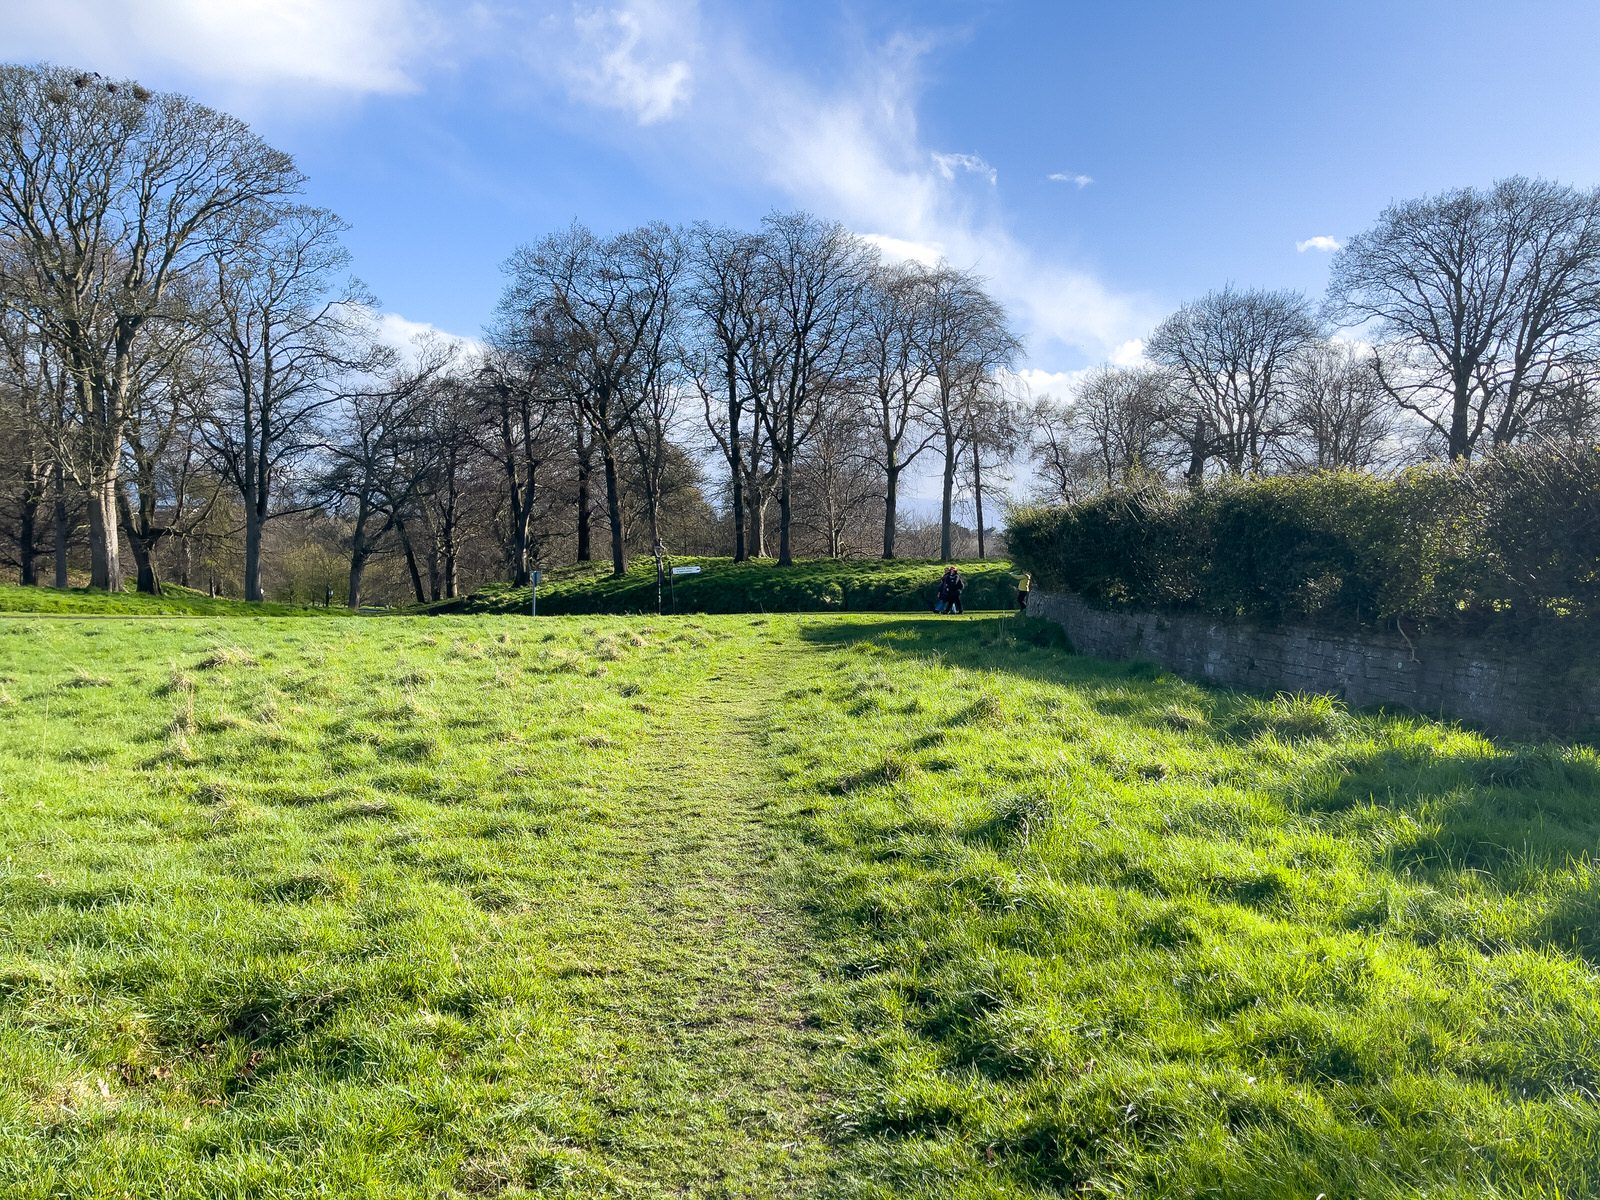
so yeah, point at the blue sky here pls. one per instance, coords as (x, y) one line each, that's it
(1198, 143)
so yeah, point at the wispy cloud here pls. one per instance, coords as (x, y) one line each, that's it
(1321, 242)
(950, 164)
(1078, 181)
(900, 250)
(851, 149)
(631, 57)
(410, 338)
(343, 46)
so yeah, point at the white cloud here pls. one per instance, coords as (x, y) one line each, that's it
(851, 150)
(949, 164)
(411, 338)
(1078, 181)
(348, 46)
(1129, 354)
(899, 250)
(1320, 242)
(1031, 383)
(632, 57)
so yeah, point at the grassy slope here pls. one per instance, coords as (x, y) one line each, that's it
(892, 906)
(723, 586)
(173, 602)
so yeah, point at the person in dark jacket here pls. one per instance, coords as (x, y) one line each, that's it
(954, 583)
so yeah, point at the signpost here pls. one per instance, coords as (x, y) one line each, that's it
(686, 570)
(533, 594)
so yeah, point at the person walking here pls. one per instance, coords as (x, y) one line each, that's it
(956, 583)
(1024, 582)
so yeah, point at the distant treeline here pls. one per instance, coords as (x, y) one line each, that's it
(191, 379)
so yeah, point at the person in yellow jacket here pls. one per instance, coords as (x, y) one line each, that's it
(1024, 582)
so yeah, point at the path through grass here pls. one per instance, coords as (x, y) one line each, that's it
(750, 906)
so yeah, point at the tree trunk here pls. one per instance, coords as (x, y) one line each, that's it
(105, 561)
(141, 546)
(1460, 441)
(891, 500)
(619, 556)
(1197, 454)
(411, 563)
(144, 562)
(947, 503)
(736, 467)
(63, 528)
(360, 549)
(785, 512)
(252, 551)
(584, 472)
(755, 543)
(519, 548)
(358, 566)
(977, 493)
(27, 534)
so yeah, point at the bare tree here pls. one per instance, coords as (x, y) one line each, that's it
(1491, 297)
(994, 424)
(726, 297)
(450, 443)
(968, 339)
(519, 423)
(650, 429)
(289, 332)
(836, 476)
(603, 311)
(163, 459)
(1063, 464)
(1229, 354)
(1122, 414)
(1338, 414)
(109, 195)
(32, 414)
(378, 460)
(819, 271)
(896, 369)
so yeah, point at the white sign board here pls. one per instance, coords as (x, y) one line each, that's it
(686, 570)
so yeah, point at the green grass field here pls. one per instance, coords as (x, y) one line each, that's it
(801, 905)
(174, 601)
(757, 586)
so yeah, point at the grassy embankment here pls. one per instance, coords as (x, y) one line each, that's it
(174, 601)
(724, 586)
(768, 906)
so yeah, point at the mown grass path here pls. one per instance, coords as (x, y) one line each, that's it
(708, 1071)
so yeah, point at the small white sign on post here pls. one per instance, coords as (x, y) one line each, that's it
(686, 570)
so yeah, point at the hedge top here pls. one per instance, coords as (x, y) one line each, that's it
(1498, 544)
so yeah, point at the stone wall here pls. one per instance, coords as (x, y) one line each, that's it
(1513, 691)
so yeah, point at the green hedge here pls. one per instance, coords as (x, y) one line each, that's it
(724, 586)
(1510, 540)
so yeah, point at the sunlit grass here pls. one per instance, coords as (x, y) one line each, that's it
(1099, 931)
(174, 601)
(768, 906)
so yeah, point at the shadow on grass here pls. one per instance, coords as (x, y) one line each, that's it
(1516, 814)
